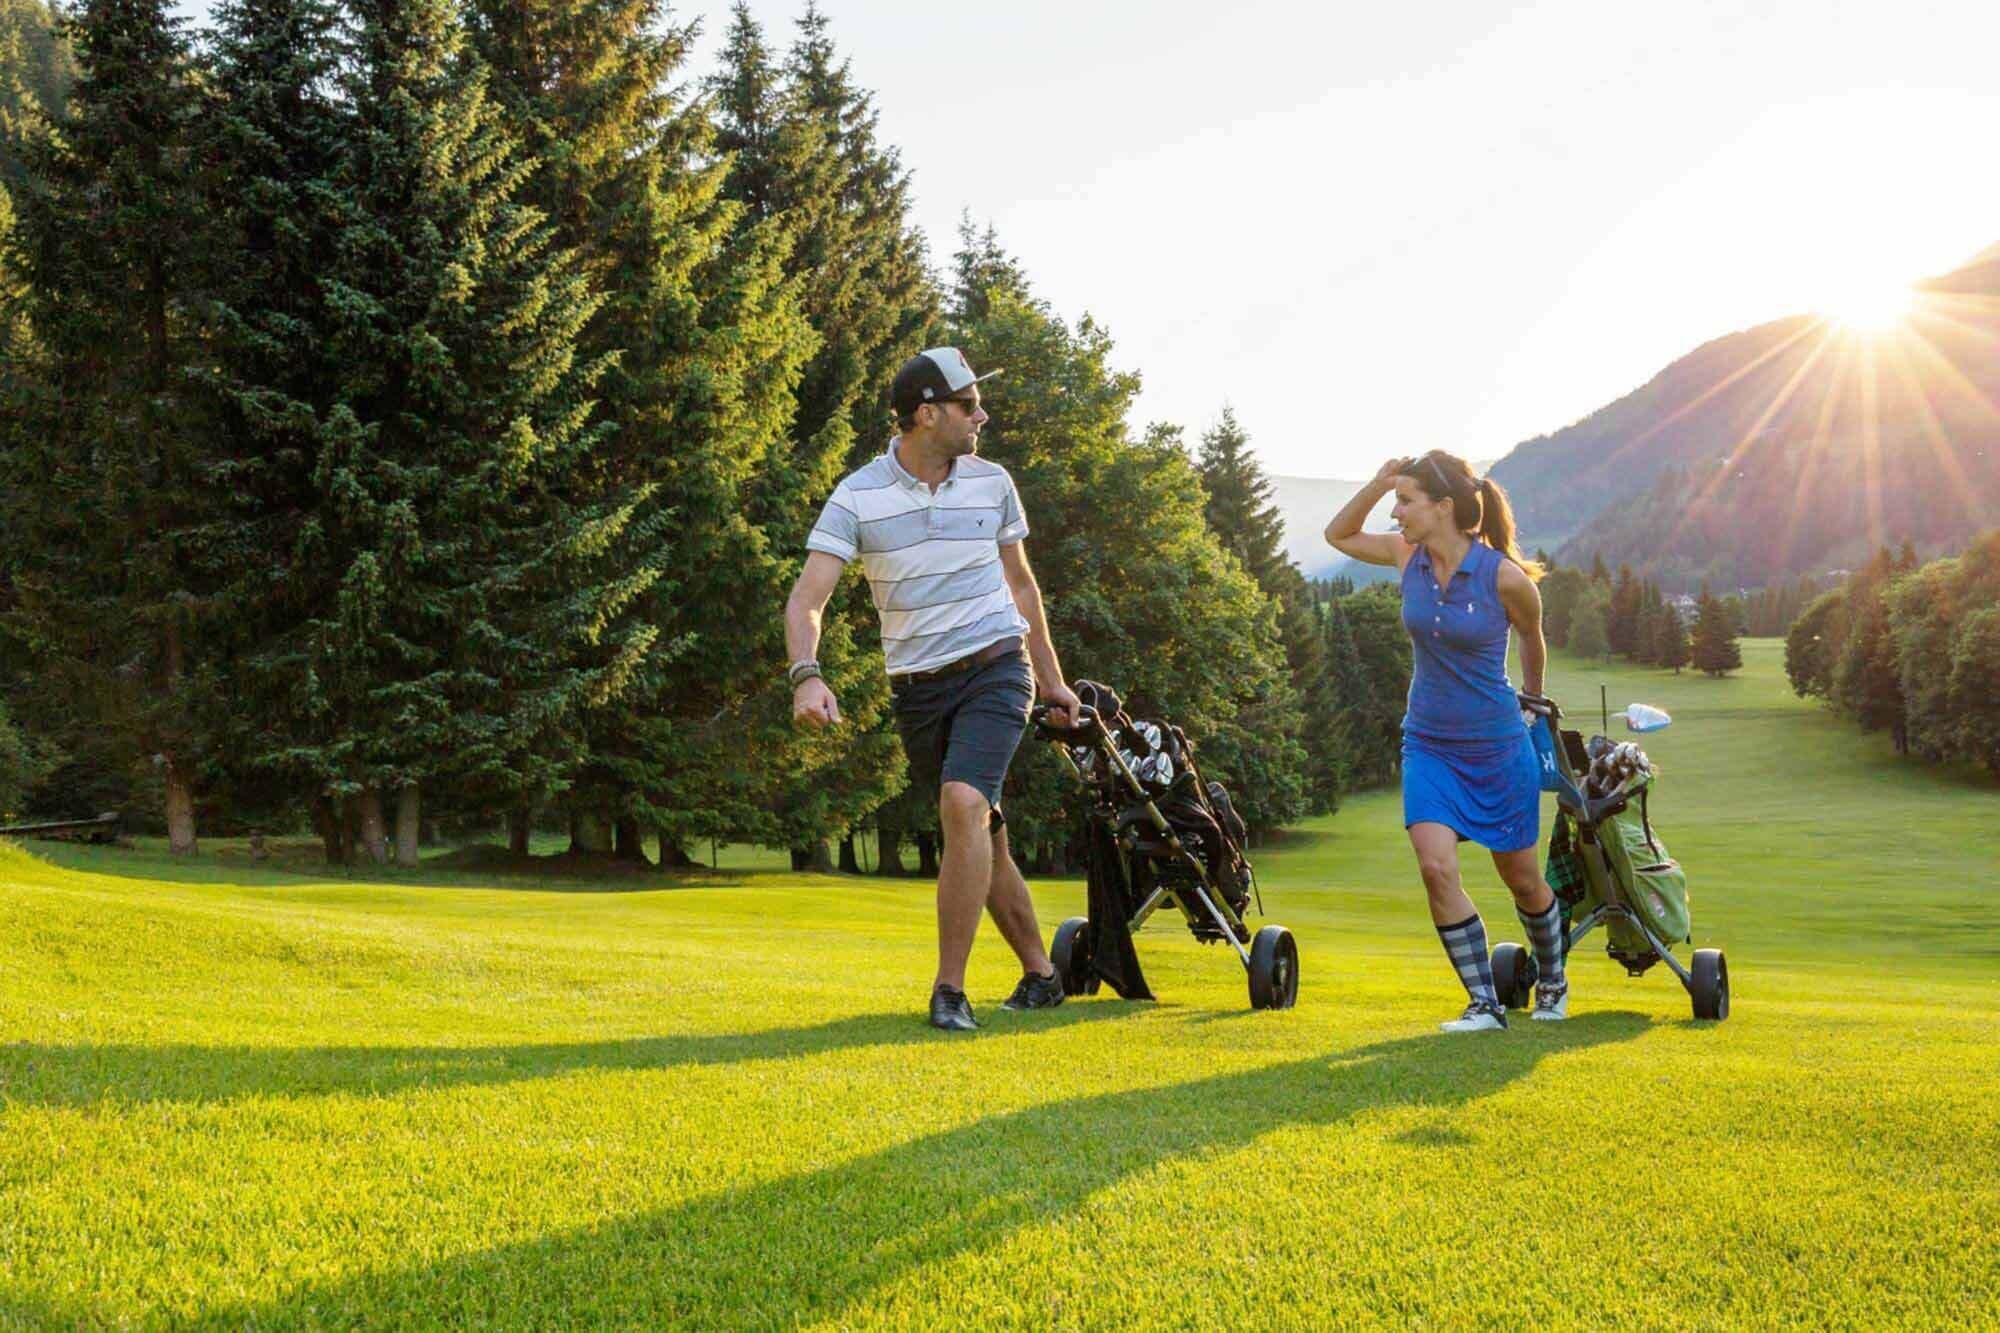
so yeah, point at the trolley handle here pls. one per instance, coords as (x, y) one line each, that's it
(1082, 730)
(1538, 704)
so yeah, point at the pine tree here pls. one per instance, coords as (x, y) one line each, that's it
(1239, 512)
(1598, 573)
(271, 144)
(1621, 616)
(1239, 509)
(1374, 695)
(1139, 593)
(804, 156)
(103, 503)
(1670, 641)
(1336, 710)
(1714, 650)
(709, 345)
(37, 69)
(451, 650)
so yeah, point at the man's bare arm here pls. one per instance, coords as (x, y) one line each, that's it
(812, 700)
(1027, 593)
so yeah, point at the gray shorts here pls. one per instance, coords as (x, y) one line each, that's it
(966, 727)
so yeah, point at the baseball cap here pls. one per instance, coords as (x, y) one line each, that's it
(931, 375)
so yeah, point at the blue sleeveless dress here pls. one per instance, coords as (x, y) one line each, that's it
(1468, 762)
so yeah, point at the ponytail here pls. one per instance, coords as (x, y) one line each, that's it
(1478, 505)
(1496, 526)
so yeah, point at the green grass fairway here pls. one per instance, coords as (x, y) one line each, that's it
(242, 1096)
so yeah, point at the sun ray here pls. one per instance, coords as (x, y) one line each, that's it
(1871, 444)
(1712, 391)
(1749, 437)
(1961, 484)
(1829, 407)
(1947, 369)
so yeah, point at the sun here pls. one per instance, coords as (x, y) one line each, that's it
(1872, 306)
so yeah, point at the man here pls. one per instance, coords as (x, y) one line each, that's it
(939, 533)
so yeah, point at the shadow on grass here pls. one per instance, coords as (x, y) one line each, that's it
(129, 1075)
(819, 1245)
(292, 867)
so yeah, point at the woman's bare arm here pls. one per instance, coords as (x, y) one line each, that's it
(1523, 601)
(1344, 532)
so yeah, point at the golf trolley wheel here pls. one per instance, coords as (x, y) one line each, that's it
(1708, 984)
(1515, 973)
(1274, 969)
(1070, 954)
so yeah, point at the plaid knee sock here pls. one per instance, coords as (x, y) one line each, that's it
(1545, 933)
(1465, 944)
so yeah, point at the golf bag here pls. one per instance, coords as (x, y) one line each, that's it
(1159, 833)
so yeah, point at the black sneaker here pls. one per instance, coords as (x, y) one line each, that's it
(950, 1011)
(1035, 993)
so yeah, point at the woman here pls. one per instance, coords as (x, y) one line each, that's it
(1469, 768)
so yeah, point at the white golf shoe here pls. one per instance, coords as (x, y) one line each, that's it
(1552, 1004)
(1479, 1016)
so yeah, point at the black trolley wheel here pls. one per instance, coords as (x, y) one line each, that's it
(1708, 984)
(1515, 973)
(1274, 969)
(1070, 954)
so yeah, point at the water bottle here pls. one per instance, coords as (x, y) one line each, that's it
(1645, 717)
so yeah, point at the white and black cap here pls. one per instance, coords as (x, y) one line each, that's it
(927, 377)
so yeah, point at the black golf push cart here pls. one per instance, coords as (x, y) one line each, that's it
(1158, 833)
(1609, 867)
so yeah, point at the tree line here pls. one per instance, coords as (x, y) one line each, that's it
(412, 414)
(1595, 615)
(1910, 649)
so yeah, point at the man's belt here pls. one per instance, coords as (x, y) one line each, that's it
(992, 652)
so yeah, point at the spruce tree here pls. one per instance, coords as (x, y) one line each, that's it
(450, 650)
(709, 345)
(1714, 650)
(271, 145)
(103, 502)
(1621, 615)
(1377, 691)
(805, 159)
(37, 68)
(1670, 640)
(1139, 593)
(1238, 508)
(1239, 512)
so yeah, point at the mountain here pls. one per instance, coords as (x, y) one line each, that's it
(1304, 505)
(1793, 447)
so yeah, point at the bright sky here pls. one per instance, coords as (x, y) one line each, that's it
(1378, 229)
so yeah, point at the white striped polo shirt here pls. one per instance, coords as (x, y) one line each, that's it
(932, 557)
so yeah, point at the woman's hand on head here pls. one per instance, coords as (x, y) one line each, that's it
(1393, 469)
